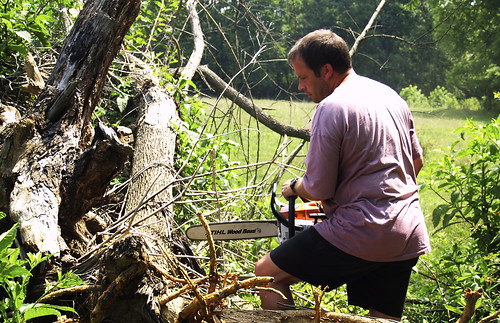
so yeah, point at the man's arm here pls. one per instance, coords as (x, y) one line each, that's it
(298, 190)
(418, 163)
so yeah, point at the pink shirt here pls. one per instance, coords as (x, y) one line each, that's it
(360, 164)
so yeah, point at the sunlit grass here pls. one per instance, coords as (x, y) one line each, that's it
(436, 130)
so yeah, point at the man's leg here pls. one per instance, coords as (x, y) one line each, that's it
(383, 290)
(376, 313)
(271, 300)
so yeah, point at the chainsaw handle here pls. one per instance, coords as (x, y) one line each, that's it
(291, 216)
(279, 216)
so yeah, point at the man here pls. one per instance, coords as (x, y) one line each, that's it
(362, 163)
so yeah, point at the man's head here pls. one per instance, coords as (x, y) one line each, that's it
(321, 62)
(322, 47)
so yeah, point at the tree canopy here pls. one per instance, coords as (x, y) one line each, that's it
(453, 44)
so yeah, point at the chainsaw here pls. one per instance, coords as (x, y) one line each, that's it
(289, 220)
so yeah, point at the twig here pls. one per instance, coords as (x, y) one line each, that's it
(190, 284)
(186, 288)
(471, 298)
(213, 257)
(270, 289)
(106, 299)
(318, 297)
(367, 27)
(213, 299)
(68, 291)
(490, 318)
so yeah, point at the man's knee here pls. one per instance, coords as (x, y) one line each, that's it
(266, 267)
(262, 267)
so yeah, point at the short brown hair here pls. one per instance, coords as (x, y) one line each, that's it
(322, 47)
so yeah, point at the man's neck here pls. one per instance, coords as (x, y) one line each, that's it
(341, 78)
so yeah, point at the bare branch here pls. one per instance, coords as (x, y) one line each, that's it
(246, 104)
(199, 44)
(367, 27)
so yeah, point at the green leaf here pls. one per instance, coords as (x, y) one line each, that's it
(454, 196)
(448, 217)
(24, 35)
(453, 309)
(438, 213)
(61, 308)
(121, 102)
(9, 271)
(7, 23)
(34, 312)
(8, 237)
(34, 259)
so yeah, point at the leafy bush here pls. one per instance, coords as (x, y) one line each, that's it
(442, 99)
(15, 274)
(414, 96)
(439, 98)
(470, 174)
(471, 104)
(467, 226)
(29, 24)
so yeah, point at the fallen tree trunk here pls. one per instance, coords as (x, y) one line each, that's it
(149, 197)
(135, 288)
(44, 163)
(295, 316)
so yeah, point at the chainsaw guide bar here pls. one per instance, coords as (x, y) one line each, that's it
(236, 230)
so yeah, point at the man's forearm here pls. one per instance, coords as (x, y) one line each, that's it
(298, 190)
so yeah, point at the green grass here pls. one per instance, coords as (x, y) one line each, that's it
(435, 128)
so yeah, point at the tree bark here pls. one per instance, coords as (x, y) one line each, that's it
(295, 316)
(42, 163)
(199, 45)
(471, 298)
(150, 193)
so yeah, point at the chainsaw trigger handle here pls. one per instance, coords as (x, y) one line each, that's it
(277, 214)
(317, 216)
(291, 216)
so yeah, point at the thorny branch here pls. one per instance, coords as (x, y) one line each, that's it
(318, 297)
(471, 298)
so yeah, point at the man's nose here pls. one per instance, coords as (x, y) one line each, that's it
(301, 86)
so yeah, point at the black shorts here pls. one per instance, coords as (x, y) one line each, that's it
(380, 286)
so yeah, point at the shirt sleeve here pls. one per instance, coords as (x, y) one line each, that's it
(416, 148)
(322, 162)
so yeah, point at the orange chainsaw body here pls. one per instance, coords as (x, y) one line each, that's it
(303, 211)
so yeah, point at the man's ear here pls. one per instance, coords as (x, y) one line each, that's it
(327, 71)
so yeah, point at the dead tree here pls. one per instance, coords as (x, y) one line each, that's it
(54, 165)
(149, 197)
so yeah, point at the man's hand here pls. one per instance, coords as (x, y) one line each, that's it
(287, 190)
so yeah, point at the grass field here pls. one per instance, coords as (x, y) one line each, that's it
(435, 128)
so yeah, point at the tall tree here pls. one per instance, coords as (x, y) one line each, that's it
(470, 33)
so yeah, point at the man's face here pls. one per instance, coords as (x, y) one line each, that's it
(317, 88)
